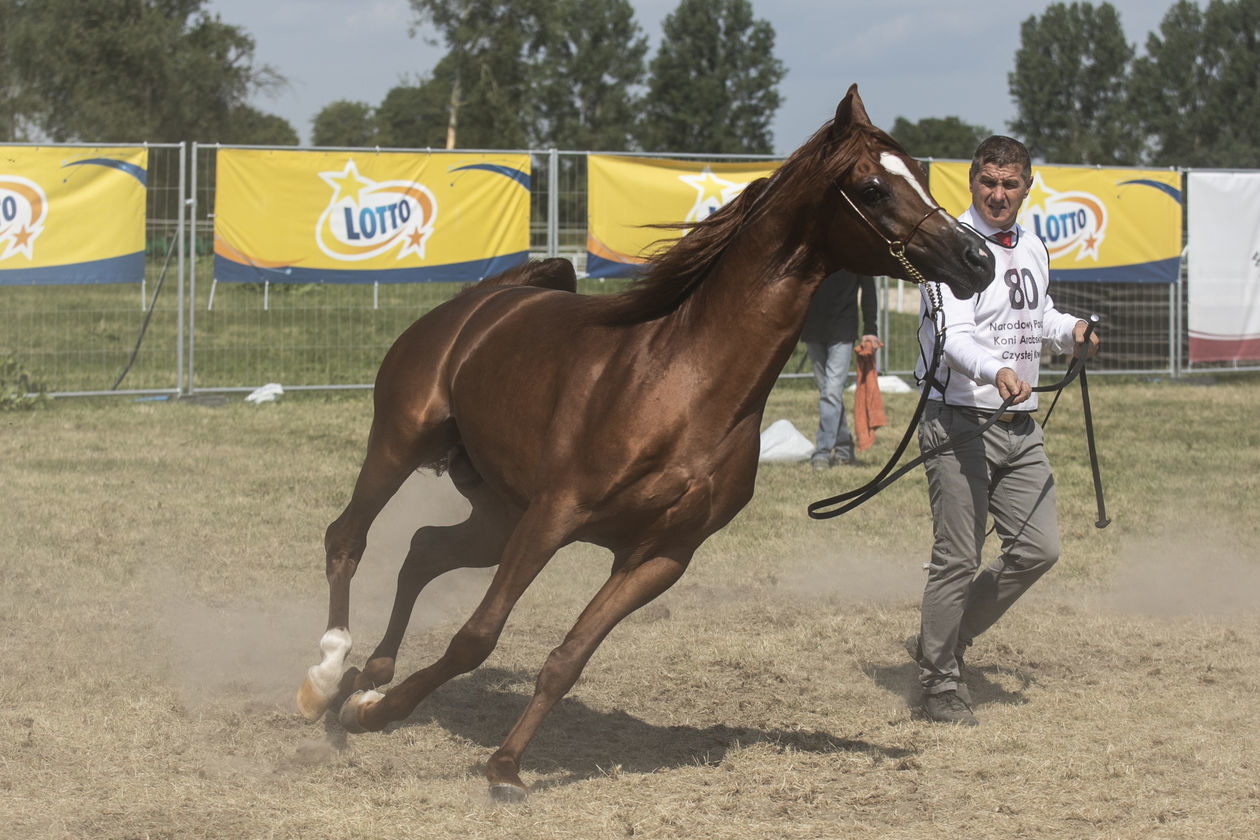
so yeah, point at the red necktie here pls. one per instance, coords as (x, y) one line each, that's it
(1003, 238)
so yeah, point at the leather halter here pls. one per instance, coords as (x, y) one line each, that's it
(896, 247)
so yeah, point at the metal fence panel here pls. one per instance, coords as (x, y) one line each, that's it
(189, 334)
(328, 336)
(114, 338)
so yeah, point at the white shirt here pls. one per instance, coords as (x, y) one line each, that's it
(1002, 326)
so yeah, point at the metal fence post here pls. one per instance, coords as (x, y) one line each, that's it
(553, 202)
(192, 266)
(1175, 322)
(180, 233)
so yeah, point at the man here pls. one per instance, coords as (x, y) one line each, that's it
(992, 351)
(830, 330)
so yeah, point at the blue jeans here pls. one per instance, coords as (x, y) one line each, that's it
(831, 374)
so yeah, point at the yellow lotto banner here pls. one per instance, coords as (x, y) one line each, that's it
(368, 217)
(627, 195)
(72, 215)
(1099, 225)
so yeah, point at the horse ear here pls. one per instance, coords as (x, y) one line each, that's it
(851, 110)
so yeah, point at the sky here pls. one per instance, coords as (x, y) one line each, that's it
(910, 58)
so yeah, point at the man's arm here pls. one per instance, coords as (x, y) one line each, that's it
(869, 306)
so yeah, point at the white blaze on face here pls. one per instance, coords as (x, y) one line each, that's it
(896, 166)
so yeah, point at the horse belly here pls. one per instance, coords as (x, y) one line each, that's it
(685, 492)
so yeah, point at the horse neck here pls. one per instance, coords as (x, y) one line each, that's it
(745, 318)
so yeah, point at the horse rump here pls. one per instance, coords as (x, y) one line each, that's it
(554, 273)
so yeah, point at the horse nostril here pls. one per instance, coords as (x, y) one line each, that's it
(979, 257)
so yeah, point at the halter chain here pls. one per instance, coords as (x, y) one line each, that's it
(933, 289)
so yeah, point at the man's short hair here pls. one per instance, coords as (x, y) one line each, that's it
(1001, 150)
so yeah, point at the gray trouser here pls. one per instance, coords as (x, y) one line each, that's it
(1004, 473)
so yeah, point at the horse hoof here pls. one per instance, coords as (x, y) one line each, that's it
(354, 705)
(504, 792)
(321, 685)
(311, 702)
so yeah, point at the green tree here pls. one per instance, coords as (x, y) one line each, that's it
(1069, 86)
(344, 123)
(1196, 92)
(15, 105)
(935, 137)
(157, 70)
(413, 116)
(589, 63)
(249, 126)
(713, 84)
(486, 71)
(533, 72)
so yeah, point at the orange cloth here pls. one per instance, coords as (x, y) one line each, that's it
(868, 404)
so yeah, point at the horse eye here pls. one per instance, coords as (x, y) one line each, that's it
(872, 193)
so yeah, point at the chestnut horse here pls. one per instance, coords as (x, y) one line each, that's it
(631, 421)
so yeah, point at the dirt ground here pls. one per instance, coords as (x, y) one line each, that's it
(150, 655)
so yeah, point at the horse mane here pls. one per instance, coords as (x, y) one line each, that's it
(674, 274)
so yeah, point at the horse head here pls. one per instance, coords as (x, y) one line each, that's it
(902, 230)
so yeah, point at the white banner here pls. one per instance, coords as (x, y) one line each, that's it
(1224, 266)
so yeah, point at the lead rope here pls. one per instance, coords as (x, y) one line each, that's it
(897, 249)
(861, 494)
(1102, 521)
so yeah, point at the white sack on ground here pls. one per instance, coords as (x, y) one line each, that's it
(781, 441)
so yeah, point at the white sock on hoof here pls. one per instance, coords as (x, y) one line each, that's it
(326, 676)
(349, 715)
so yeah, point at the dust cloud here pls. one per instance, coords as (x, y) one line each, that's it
(257, 653)
(852, 573)
(1198, 571)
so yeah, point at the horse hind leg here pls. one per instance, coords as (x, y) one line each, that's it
(379, 478)
(323, 681)
(533, 541)
(344, 543)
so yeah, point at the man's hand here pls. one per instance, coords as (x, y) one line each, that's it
(1008, 384)
(1078, 335)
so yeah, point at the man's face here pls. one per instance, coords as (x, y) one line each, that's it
(997, 192)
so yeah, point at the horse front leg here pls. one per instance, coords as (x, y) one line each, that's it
(535, 538)
(624, 592)
(475, 543)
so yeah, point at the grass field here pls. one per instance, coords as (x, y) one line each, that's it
(163, 594)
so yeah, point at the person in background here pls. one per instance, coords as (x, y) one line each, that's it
(992, 351)
(830, 331)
